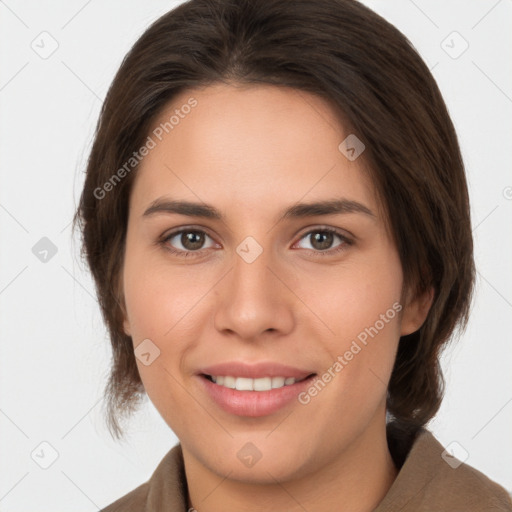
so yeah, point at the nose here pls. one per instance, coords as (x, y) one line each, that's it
(253, 300)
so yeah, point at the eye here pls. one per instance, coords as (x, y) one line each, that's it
(191, 242)
(186, 241)
(321, 240)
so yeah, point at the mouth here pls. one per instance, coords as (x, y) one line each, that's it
(254, 390)
(258, 384)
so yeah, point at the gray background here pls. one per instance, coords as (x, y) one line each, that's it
(54, 352)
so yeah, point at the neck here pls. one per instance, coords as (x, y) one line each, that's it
(356, 480)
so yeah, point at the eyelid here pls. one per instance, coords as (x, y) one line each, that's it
(343, 233)
(187, 227)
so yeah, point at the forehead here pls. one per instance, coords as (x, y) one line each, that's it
(251, 146)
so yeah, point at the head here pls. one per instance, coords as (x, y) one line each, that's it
(252, 110)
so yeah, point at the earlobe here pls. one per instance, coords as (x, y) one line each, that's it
(122, 305)
(416, 311)
(126, 323)
(126, 327)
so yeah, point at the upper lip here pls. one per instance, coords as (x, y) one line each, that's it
(254, 370)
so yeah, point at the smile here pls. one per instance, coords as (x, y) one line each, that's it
(248, 384)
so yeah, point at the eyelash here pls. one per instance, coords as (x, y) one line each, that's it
(346, 242)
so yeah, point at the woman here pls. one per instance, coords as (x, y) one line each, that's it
(276, 216)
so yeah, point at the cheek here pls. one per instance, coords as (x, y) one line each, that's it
(156, 298)
(163, 304)
(160, 307)
(358, 297)
(363, 313)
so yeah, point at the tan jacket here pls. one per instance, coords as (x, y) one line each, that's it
(426, 482)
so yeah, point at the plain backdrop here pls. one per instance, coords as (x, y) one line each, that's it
(54, 351)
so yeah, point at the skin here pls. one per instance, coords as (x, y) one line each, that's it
(252, 151)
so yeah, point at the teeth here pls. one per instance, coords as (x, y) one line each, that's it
(263, 384)
(247, 384)
(229, 382)
(278, 382)
(243, 384)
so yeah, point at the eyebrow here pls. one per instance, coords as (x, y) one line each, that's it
(299, 210)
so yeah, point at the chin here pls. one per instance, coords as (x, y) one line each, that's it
(262, 461)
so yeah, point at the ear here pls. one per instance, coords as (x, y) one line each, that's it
(122, 305)
(126, 322)
(416, 311)
(126, 326)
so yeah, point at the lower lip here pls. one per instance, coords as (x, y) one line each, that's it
(253, 403)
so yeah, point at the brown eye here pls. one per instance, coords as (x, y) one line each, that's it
(321, 240)
(187, 241)
(324, 241)
(192, 240)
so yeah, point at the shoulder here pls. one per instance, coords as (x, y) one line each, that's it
(461, 485)
(432, 479)
(134, 501)
(165, 490)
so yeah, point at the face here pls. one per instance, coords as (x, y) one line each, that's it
(266, 329)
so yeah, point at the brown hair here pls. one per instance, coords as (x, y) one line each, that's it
(350, 56)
